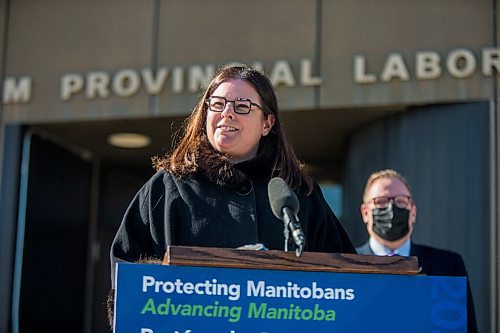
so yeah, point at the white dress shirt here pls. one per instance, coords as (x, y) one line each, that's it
(381, 250)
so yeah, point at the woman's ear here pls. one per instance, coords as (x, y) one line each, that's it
(268, 124)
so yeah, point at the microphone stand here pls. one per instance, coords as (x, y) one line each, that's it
(292, 223)
(286, 233)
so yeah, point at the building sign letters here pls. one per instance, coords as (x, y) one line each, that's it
(459, 63)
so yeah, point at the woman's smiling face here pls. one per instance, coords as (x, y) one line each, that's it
(237, 134)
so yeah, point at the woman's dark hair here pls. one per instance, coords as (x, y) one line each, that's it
(182, 160)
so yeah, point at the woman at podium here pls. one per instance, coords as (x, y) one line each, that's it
(212, 189)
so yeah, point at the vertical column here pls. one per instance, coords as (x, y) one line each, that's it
(8, 217)
(494, 191)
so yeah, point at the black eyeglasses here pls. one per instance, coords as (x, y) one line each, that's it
(241, 105)
(401, 201)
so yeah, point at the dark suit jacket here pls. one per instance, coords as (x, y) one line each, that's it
(437, 262)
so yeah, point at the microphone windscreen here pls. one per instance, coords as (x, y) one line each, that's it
(280, 196)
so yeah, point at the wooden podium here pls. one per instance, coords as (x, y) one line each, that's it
(201, 289)
(279, 260)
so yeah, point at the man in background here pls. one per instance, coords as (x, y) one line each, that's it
(389, 212)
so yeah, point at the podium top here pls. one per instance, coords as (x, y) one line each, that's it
(279, 260)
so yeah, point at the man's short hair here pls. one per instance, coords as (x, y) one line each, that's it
(387, 173)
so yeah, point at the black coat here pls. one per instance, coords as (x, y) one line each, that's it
(220, 205)
(438, 262)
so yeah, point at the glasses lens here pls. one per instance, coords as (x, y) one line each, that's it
(402, 201)
(216, 104)
(242, 106)
(381, 202)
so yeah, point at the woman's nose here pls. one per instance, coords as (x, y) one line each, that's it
(228, 110)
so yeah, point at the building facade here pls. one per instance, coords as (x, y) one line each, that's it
(362, 85)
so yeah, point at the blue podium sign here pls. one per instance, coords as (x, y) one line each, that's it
(183, 299)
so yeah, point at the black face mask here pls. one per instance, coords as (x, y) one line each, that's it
(391, 223)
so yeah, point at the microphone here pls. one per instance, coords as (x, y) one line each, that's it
(285, 206)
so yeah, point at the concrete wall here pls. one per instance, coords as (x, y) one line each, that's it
(308, 48)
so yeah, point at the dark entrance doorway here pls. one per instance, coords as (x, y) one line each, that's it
(51, 247)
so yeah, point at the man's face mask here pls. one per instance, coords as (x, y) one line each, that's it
(390, 223)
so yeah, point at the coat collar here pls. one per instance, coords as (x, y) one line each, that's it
(218, 169)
